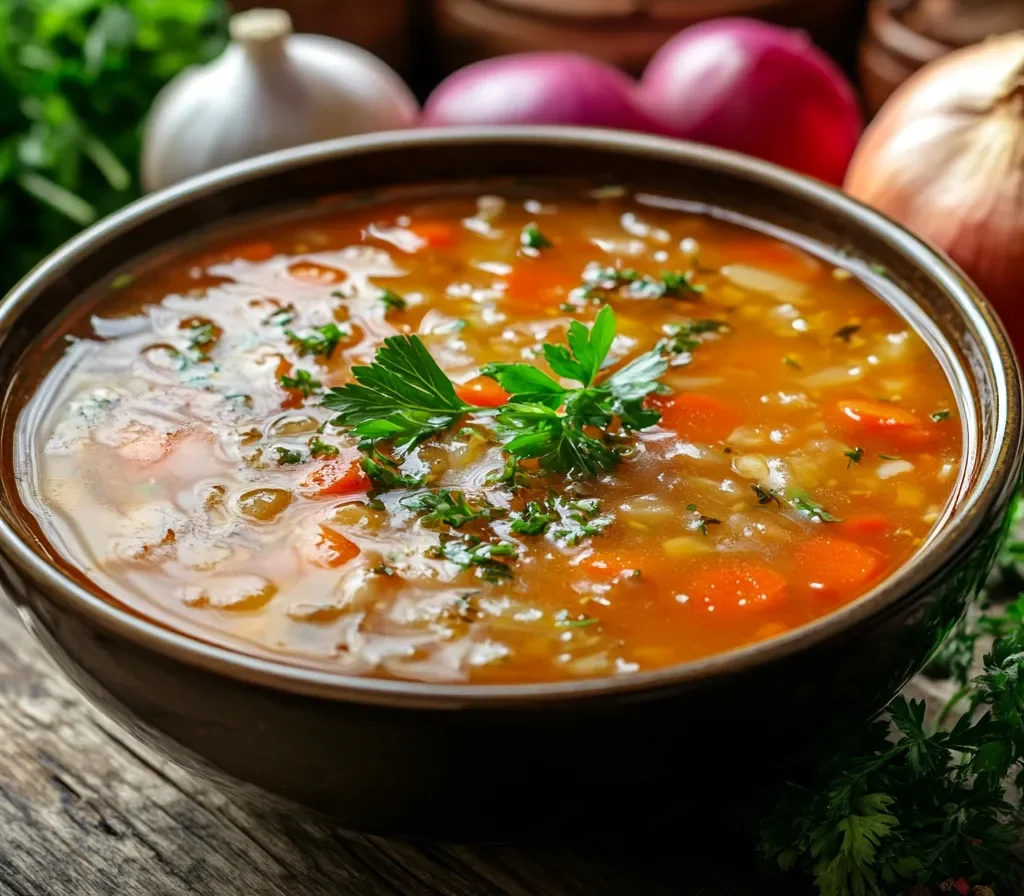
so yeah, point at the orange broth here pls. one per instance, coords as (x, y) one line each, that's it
(182, 461)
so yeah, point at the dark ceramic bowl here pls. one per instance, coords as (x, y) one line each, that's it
(499, 761)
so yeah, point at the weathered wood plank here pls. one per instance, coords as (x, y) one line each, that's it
(86, 810)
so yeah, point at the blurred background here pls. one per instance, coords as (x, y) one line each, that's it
(79, 77)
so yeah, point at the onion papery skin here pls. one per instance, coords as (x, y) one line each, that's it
(945, 158)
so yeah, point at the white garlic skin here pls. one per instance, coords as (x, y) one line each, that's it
(269, 90)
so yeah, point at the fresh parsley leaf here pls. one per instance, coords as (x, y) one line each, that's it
(403, 396)
(449, 507)
(600, 281)
(806, 505)
(302, 382)
(392, 301)
(202, 338)
(320, 448)
(939, 416)
(534, 519)
(469, 552)
(676, 285)
(702, 522)
(792, 362)
(320, 343)
(532, 238)
(681, 340)
(846, 333)
(288, 456)
(282, 317)
(854, 455)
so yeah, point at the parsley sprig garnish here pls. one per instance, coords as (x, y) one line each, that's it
(470, 552)
(404, 397)
(563, 520)
(568, 429)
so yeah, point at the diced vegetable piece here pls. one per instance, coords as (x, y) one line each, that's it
(880, 419)
(482, 392)
(339, 476)
(436, 234)
(535, 283)
(771, 255)
(333, 549)
(695, 416)
(868, 526)
(836, 565)
(736, 587)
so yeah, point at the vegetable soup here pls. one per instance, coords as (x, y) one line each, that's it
(531, 436)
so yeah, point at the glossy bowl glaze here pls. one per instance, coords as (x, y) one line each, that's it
(480, 761)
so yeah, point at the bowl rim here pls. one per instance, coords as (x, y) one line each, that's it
(997, 475)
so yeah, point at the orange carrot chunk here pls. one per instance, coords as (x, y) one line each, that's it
(333, 549)
(869, 526)
(736, 587)
(537, 284)
(436, 234)
(862, 416)
(696, 417)
(340, 476)
(835, 564)
(482, 392)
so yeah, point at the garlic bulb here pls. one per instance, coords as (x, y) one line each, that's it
(269, 90)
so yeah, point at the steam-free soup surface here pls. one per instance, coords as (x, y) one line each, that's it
(199, 454)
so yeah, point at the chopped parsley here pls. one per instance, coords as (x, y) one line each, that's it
(566, 522)
(854, 455)
(392, 301)
(792, 362)
(532, 238)
(384, 472)
(765, 496)
(302, 382)
(889, 457)
(288, 456)
(320, 448)
(469, 552)
(684, 338)
(939, 416)
(282, 317)
(702, 522)
(599, 281)
(846, 333)
(879, 269)
(202, 337)
(565, 619)
(449, 507)
(321, 343)
(805, 504)
(122, 280)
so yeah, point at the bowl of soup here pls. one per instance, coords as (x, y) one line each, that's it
(496, 482)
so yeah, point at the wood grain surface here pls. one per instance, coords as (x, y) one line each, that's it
(87, 811)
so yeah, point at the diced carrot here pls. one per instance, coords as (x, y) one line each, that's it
(482, 392)
(436, 234)
(611, 565)
(733, 587)
(537, 284)
(333, 549)
(834, 564)
(862, 416)
(869, 526)
(775, 257)
(320, 274)
(695, 416)
(340, 476)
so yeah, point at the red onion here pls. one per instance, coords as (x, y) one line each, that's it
(538, 88)
(756, 88)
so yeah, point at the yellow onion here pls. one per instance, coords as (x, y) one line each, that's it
(945, 157)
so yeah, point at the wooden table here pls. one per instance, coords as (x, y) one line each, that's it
(86, 810)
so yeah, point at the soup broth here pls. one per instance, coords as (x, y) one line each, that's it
(603, 436)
